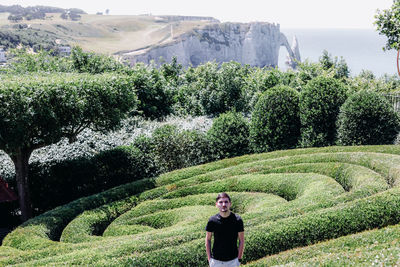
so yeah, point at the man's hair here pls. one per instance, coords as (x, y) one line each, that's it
(223, 194)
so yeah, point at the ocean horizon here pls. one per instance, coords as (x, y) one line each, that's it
(360, 48)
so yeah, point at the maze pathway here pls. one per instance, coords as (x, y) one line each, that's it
(290, 202)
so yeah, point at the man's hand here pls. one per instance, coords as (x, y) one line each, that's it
(208, 245)
(241, 245)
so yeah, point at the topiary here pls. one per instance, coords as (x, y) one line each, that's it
(275, 122)
(320, 101)
(367, 118)
(229, 135)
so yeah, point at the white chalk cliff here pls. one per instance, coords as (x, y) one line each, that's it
(256, 44)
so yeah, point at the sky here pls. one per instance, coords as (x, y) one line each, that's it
(351, 14)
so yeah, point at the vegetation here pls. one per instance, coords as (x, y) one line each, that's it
(229, 135)
(320, 101)
(287, 199)
(38, 112)
(173, 90)
(386, 24)
(18, 12)
(367, 118)
(135, 205)
(275, 121)
(21, 35)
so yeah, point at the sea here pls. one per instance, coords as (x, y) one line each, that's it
(360, 48)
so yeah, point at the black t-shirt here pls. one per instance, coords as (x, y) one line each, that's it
(225, 235)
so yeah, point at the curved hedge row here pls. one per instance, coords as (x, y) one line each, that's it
(286, 198)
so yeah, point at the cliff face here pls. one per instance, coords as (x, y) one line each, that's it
(256, 44)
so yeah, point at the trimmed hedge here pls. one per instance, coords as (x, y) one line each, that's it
(229, 135)
(59, 182)
(320, 101)
(367, 118)
(159, 228)
(275, 122)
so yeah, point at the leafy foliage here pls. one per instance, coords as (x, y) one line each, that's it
(56, 183)
(175, 149)
(155, 95)
(229, 135)
(212, 90)
(36, 12)
(260, 80)
(87, 62)
(38, 112)
(22, 35)
(386, 22)
(275, 121)
(287, 199)
(337, 66)
(23, 62)
(320, 101)
(367, 118)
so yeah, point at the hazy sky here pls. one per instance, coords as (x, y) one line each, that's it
(288, 13)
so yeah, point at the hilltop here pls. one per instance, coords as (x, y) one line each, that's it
(107, 34)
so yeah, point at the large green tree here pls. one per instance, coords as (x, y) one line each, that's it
(388, 23)
(39, 110)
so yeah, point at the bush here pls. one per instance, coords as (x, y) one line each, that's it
(275, 122)
(154, 95)
(89, 62)
(320, 101)
(58, 182)
(176, 149)
(367, 118)
(260, 80)
(211, 90)
(229, 135)
(122, 165)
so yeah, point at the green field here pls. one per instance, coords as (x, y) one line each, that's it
(300, 207)
(109, 34)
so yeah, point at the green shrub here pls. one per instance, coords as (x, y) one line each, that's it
(367, 118)
(221, 88)
(320, 101)
(275, 122)
(48, 226)
(176, 149)
(154, 95)
(90, 62)
(229, 135)
(260, 80)
(55, 183)
(122, 165)
(211, 90)
(161, 227)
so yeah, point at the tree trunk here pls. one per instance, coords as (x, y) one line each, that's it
(21, 163)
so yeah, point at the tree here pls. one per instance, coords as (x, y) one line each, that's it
(39, 110)
(387, 23)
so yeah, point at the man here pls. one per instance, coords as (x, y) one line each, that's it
(226, 227)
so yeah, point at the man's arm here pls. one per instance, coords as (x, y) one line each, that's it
(241, 244)
(208, 245)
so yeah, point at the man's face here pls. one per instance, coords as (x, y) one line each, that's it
(223, 204)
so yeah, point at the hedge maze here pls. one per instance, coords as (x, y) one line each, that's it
(332, 205)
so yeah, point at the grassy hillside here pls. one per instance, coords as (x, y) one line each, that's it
(291, 201)
(108, 33)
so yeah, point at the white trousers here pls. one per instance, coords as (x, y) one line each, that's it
(217, 263)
